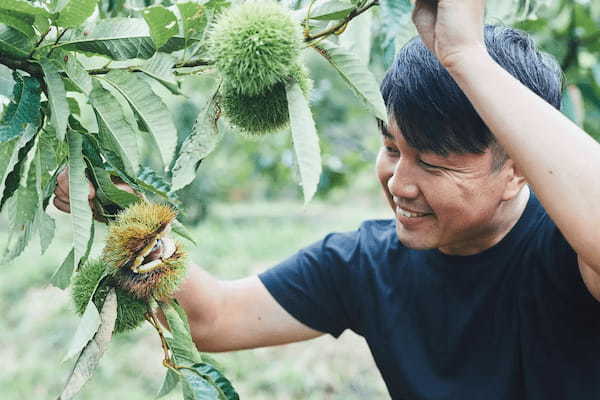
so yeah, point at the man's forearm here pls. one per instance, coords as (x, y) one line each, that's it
(559, 160)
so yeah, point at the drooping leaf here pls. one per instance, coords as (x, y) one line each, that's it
(57, 97)
(216, 379)
(180, 229)
(356, 75)
(92, 353)
(14, 43)
(24, 108)
(306, 140)
(86, 329)
(113, 193)
(62, 275)
(77, 74)
(332, 10)
(115, 131)
(12, 155)
(162, 24)
(75, 12)
(160, 67)
(43, 221)
(23, 6)
(201, 141)
(196, 387)
(169, 383)
(181, 344)
(151, 110)
(7, 82)
(81, 214)
(21, 22)
(152, 182)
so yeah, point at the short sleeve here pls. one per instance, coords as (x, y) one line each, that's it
(315, 285)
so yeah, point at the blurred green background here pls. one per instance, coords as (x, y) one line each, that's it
(246, 212)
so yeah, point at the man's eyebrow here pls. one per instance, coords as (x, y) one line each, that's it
(384, 131)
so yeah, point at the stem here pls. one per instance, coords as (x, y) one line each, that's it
(106, 70)
(355, 13)
(40, 41)
(151, 318)
(60, 35)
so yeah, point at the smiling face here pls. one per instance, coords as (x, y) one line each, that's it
(456, 204)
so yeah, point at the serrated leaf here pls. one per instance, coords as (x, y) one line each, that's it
(160, 67)
(152, 182)
(162, 24)
(92, 353)
(169, 383)
(61, 278)
(81, 214)
(117, 38)
(306, 140)
(43, 221)
(75, 12)
(86, 329)
(120, 197)
(21, 22)
(356, 75)
(23, 109)
(57, 98)
(195, 387)
(14, 43)
(77, 74)
(151, 110)
(23, 6)
(332, 10)
(115, 130)
(202, 140)
(12, 155)
(181, 344)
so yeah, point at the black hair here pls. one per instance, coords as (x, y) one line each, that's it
(433, 113)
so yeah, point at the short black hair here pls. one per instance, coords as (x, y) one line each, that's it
(433, 113)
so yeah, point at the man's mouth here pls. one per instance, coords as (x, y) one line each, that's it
(410, 214)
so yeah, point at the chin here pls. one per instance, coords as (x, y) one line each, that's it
(414, 242)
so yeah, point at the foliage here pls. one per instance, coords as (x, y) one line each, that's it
(87, 83)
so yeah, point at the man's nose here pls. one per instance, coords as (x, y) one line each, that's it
(402, 183)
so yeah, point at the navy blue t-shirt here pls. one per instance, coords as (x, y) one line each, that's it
(513, 322)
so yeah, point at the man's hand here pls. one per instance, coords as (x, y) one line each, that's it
(451, 29)
(61, 199)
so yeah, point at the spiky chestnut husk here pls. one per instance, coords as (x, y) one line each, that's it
(266, 112)
(130, 311)
(255, 45)
(132, 237)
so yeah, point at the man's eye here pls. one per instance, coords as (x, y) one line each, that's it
(391, 150)
(424, 164)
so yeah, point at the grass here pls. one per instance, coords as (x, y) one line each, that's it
(236, 240)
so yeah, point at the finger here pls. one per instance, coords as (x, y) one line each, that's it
(63, 178)
(61, 205)
(92, 191)
(61, 192)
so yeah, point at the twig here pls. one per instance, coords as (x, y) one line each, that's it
(355, 13)
(151, 318)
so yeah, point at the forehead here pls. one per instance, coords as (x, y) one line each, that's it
(391, 132)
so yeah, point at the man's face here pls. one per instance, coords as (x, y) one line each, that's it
(450, 203)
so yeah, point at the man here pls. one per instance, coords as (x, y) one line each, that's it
(474, 290)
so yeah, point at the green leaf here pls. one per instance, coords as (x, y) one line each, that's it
(57, 98)
(160, 67)
(23, 6)
(12, 156)
(116, 38)
(75, 12)
(162, 24)
(193, 19)
(152, 182)
(332, 10)
(81, 213)
(61, 278)
(21, 22)
(77, 74)
(24, 108)
(7, 83)
(196, 387)
(93, 351)
(181, 344)
(169, 383)
(14, 43)
(306, 140)
(116, 132)
(217, 379)
(356, 75)
(43, 221)
(180, 229)
(201, 141)
(395, 15)
(120, 197)
(150, 109)
(86, 329)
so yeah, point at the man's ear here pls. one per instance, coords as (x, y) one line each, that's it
(515, 180)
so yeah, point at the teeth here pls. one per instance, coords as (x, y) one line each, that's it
(409, 214)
